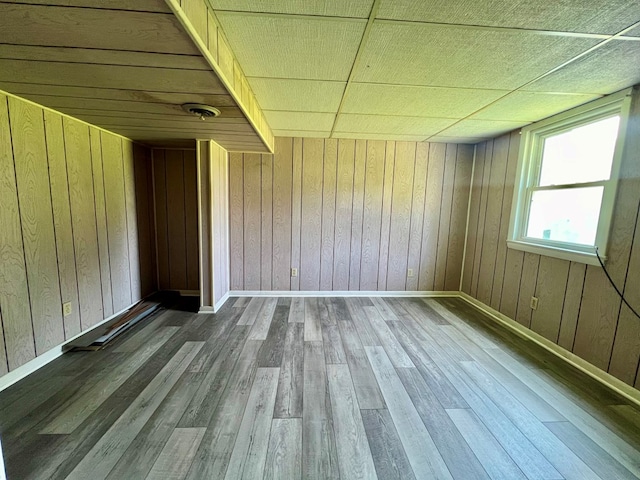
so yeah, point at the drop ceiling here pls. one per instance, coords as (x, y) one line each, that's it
(443, 70)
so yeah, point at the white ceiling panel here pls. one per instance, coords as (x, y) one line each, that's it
(405, 100)
(352, 123)
(480, 128)
(283, 46)
(301, 133)
(297, 95)
(299, 120)
(379, 136)
(606, 17)
(436, 55)
(328, 8)
(608, 69)
(531, 106)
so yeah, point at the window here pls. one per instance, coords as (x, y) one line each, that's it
(566, 182)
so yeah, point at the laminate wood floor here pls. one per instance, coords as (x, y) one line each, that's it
(287, 388)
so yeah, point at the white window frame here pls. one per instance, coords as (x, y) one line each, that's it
(528, 175)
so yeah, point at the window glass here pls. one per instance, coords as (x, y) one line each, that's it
(583, 154)
(566, 215)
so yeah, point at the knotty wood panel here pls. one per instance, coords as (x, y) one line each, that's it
(578, 308)
(32, 179)
(83, 216)
(101, 220)
(116, 220)
(176, 214)
(62, 222)
(336, 242)
(55, 228)
(14, 292)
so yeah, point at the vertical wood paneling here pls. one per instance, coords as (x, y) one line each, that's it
(372, 215)
(357, 215)
(492, 219)
(457, 226)
(507, 197)
(191, 219)
(176, 225)
(385, 223)
(474, 212)
(527, 288)
(101, 220)
(14, 290)
(417, 213)
(34, 199)
(114, 188)
(160, 201)
(266, 244)
(83, 216)
(282, 178)
(311, 219)
(488, 159)
(296, 210)
(4, 368)
(146, 227)
(132, 220)
(571, 308)
(236, 219)
(401, 203)
(328, 213)
(252, 220)
(448, 184)
(431, 222)
(220, 221)
(62, 222)
(344, 211)
(550, 290)
(204, 165)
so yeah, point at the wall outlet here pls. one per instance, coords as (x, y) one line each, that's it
(410, 273)
(294, 272)
(534, 303)
(67, 309)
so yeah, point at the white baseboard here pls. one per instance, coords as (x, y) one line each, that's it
(594, 372)
(209, 309)
(41, 360)
(338, 293)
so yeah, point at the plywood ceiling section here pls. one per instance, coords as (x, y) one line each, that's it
(443, 70)
(123, 66)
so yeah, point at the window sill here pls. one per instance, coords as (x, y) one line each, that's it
(562, 253)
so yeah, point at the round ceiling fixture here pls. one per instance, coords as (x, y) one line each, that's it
(200, 110)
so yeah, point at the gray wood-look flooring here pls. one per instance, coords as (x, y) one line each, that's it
(318, 388)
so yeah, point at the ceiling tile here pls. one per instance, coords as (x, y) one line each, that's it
(329, 8)
(467, 140)
(352, 123)
(297, 95)
(448, 56)
(375, 99)
(319, 48)
(480, 128)
(608, 69)
(530, 106)
(301, 133)
(299, 120)
(380, 136)
(609, 16)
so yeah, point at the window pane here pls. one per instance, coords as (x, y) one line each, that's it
(584, 154)
(565, 215)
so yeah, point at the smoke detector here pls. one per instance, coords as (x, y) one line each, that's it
(200, 110)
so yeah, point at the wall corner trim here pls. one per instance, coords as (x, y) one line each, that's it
(608, 380)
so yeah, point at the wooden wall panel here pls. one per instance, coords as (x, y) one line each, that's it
(448, 183)
(220, 221)
(336, 205)
(204, 165)
(14, 292)
(112, 161)
(54, 244)
(175, 182)
(101, 220)
(132, 220)
(62, 221)
(38, 238)
(578, 308)
(83, 216)
(145, 216)
(282, 174)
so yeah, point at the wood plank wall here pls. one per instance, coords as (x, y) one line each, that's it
(578, 308)
(219, 220)
(75, 226)
(349, 214)
(176, 213)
